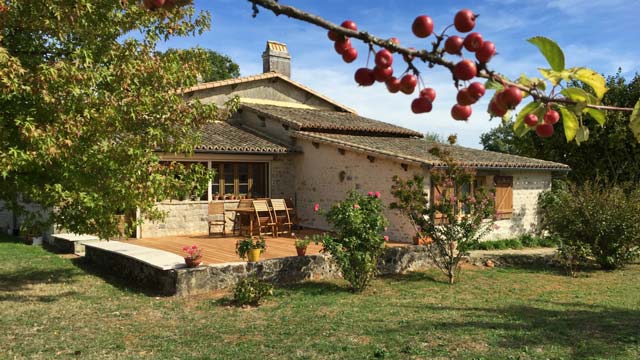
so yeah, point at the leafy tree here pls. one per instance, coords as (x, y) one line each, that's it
(216, 67)
(85, 105)
(454, 220)
(611, 153)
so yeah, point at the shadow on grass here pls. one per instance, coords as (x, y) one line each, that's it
(316, 288)
(417, 276)
(38, 298)
(25, 277)
(587, 331)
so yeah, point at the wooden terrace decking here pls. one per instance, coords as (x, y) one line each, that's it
(218, 250)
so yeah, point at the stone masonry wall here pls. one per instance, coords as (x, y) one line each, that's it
(318, 180)
(324, 176)
(283, 177)
(182, 218)
(527, 185)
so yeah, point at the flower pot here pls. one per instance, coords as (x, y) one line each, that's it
(193, 262)
(422, 240)
(254, 255)
(301, 251)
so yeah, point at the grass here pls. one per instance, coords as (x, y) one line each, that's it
(54, 306)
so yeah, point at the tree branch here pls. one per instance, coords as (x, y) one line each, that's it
(431, 57)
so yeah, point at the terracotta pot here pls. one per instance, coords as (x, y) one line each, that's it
(301, 251)
(254, 255)
(193, 262)
(422, 240)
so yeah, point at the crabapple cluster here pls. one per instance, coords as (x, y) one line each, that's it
(543, 128)
(407, 82)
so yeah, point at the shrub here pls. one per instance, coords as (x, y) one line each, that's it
(594, 221)
(522, 241)
(358, 241)
(453, 219)
(250, 291)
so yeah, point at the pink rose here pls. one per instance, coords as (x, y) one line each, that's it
(378, 194)
(316, 207)
(186, 248)
(370, 193)
(356, 206)
(386, 238)
(194, 247)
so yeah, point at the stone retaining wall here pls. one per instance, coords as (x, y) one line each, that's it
(286, 270)
(122, 266)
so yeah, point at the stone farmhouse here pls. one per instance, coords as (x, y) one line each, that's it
(288, 141)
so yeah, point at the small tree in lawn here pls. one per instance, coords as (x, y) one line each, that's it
(454, 219)
(358, 241)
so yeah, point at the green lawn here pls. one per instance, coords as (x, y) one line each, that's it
(52, 306)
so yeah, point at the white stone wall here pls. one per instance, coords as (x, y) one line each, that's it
(527, 185)
(318, 181)
(283, 176)
(182, 218)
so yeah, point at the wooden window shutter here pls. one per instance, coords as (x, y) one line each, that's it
(436, 198)
(504, 196)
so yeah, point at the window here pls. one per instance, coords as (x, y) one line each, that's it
(240, 180)
(461, 191)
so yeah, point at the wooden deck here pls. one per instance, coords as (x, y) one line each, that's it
(218, 250)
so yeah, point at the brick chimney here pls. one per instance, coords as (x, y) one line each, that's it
(276, 58)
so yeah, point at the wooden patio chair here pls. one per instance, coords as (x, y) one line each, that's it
(293, 213)
(216, 216)
(281, 216)
(264, 217)
(239, 222)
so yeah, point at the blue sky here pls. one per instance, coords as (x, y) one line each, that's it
(601, 34)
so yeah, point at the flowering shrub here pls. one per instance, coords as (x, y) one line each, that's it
(192, 252)
(358, 241)
(453, 220)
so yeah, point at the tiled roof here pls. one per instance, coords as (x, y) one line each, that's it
(316, 120)
(416, 150)
(221, 136)
(264, 76)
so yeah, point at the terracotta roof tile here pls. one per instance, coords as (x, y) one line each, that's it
(221, 136)
(328, 121)
(416, 150)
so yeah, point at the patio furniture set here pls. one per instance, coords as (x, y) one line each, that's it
(266, 216)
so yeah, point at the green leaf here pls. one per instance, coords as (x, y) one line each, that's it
(519, 127)
(597, 115)
(551, 51)
(492, 84)
(551, 75)
(579, 95)
(582, 134)
(634, 121)
(570, 123)
(593, 79)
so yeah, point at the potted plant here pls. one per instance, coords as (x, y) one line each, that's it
(251, 248)
(216, 196)
(193, 256)
(301, 244)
